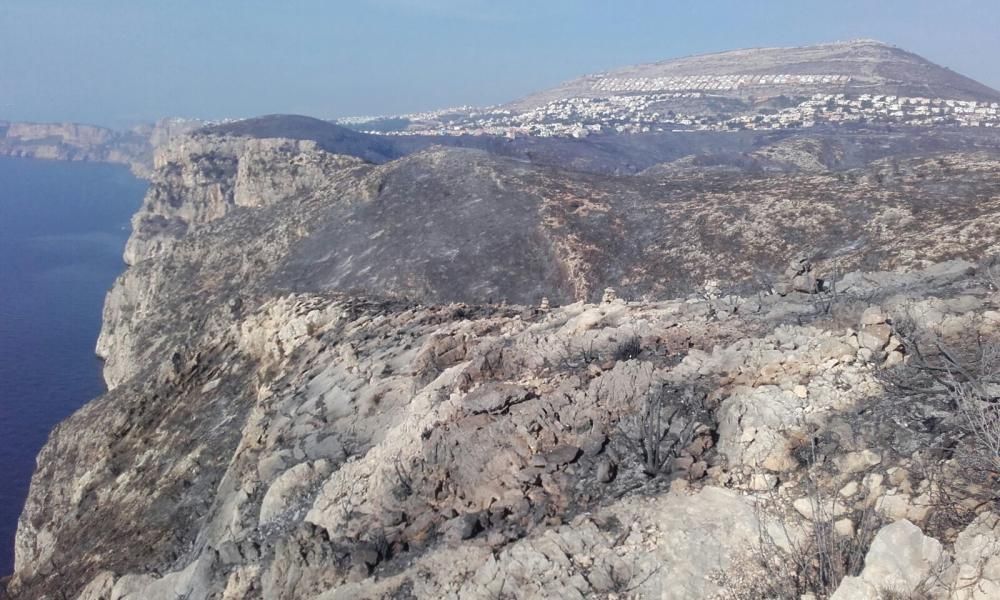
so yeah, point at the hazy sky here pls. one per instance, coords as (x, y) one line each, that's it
(121, 61)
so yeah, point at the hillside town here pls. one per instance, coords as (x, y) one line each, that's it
(685, 111)
(866, 108)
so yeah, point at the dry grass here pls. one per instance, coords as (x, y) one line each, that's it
(814, 563)
(967, 381)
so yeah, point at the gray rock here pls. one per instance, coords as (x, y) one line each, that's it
(977, 560)
(856, 462)
(462, 527)
(491, 398)
(875, 337)
(901, 559)
(561, 455)
(605, 470)
(873, 315)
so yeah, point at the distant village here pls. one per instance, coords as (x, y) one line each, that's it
(711, 82)
(640, 105)
(838, 108)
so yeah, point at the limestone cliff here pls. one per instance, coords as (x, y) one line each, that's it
(338, 379)
(77, 142)
(446, 225)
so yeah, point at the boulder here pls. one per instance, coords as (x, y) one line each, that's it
(977, 560)
(875, 337)
(844, 528)
(755, 428)
(798, 277)
(901, 559)
(873, 315)
(811, 508)
(835, 348)
(856, 462)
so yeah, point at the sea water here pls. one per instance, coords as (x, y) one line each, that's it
(63, 227)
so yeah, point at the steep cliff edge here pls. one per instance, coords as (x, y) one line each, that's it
(446, 224)
(318, 391)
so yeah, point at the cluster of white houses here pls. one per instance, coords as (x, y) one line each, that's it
(637, 113)
(710, 82)
(918, 111)
(577, 116)
(572, 117)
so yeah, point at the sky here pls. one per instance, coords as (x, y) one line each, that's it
(120, 62)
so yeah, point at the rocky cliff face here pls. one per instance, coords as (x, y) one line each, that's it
(200, 179)
(446, 225)
(319, 391)
(73, 141)
(196, 184)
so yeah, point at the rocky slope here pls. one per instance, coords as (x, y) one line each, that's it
(446, 225)
(338, 379)
(324, 446)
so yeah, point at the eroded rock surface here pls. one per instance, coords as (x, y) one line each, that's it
(458, 225)
(329, 446)
(319, 391)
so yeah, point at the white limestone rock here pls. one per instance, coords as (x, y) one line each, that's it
(901, 559)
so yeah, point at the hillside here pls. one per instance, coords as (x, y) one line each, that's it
(853, 68)
(326, 135)
(859, 83)
(461, 225)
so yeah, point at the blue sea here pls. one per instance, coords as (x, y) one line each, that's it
(63, 227)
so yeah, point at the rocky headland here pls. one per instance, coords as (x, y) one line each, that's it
(725, 326)
(91, 143)
(340, 370)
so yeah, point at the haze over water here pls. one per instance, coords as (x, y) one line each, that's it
(62, 230)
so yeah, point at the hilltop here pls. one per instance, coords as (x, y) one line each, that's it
(863, 85)
(854, 68)
(850, 83)
(328, 136)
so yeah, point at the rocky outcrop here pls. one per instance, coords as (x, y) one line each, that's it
(201, 179)
(901, 560)
(69, 133)
(136, 328)
(460, 225)
(905, 562)
(976, 570)
(328, 380)
(328, 446)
